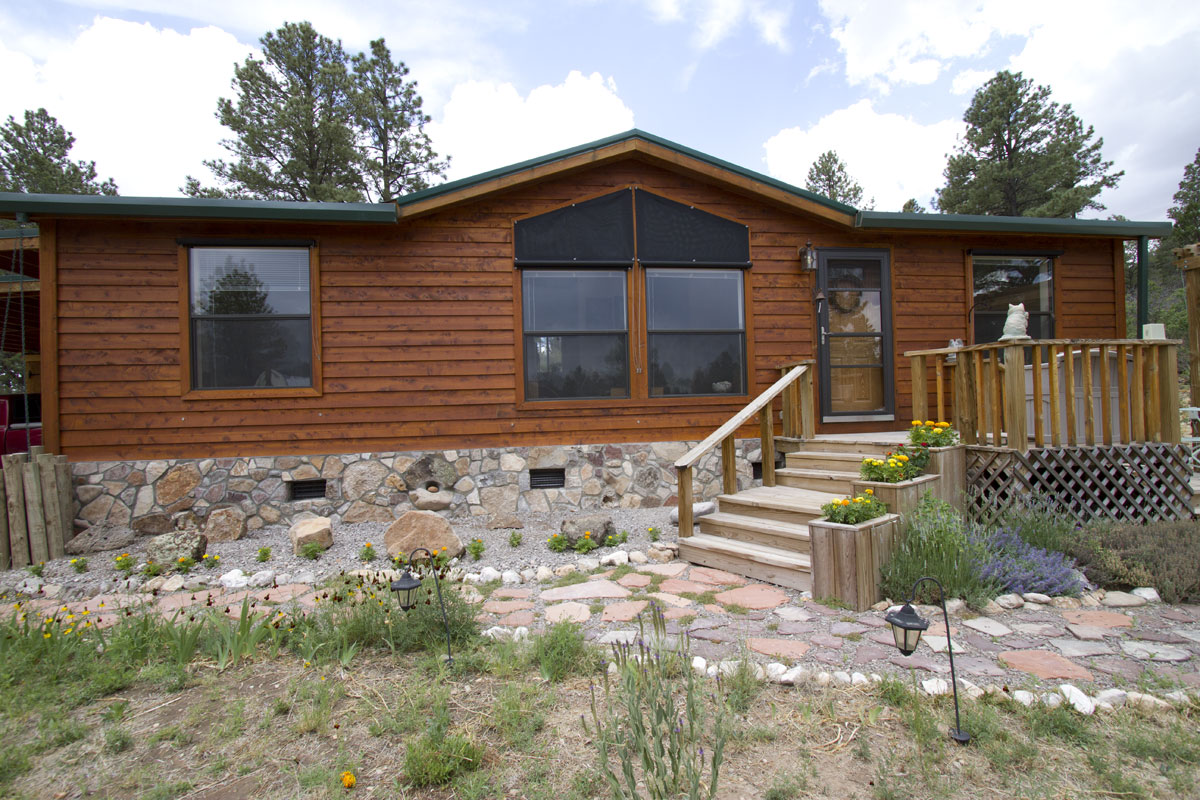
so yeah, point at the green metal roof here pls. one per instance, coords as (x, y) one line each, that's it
(84, 205)
(875, 220)
(484, 177)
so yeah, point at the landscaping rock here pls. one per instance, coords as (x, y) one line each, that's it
(511, 578)
(598, 525)
(30, 585)
(638, 557)
(1146, 702)
(168, 548)
(1122, 600)
(1147, 593)
(1113, 697)
(264, 577)
(698, 510)
(226, 524)
(234, 579)
(617, 558)
(1078, 700)
(1010, 601)
(489, 574)
(1066, 602)
(315, 530)
(152, 524)
(100, 538)
(935, 686)
(426, 500)
(421, 529)
(543, 574)
(1036, 597)
(1023, 697)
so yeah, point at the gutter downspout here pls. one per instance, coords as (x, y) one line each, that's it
(1143, 292)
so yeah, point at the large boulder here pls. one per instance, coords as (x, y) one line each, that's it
(226, 524)
(426, 500)
(362, 478)
(599, 525)
(152, 524)
(308, 531)
(99, 539)
(168, 548)
(421, 529)
(430, 469)
(179, 481)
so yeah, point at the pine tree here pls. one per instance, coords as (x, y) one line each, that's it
(1186, 211)
(828, 176)
(1024, 155)
(35, 157)
(911, 206)
(398, 156)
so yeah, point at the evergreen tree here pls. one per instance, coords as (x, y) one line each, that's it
(1186, 211)
(35, 157)
(911, 206)
(1024, 155)
(398, 156)
(828, 176)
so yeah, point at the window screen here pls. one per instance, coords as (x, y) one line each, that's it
(597, 231)
(1001, 281)
(250, 317)
(696, 331)
(674, 233)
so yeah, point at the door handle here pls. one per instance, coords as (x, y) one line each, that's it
(824, 333)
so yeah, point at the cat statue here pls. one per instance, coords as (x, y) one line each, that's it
(1017, 324)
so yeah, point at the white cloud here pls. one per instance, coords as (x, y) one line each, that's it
(891, 156)
(967, 81)
(487, 124)
(820, 69)
(716, 20)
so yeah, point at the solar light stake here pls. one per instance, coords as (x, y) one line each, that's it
(406, 593)
(907, 627)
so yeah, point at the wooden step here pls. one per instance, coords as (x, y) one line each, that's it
(828, 460)
(818, 480)
(768, 564)
(782, 503)
(789, 536)
(866, 445)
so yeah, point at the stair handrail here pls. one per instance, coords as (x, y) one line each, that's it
(797, 388)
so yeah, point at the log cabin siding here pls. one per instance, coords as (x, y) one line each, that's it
(419, 350)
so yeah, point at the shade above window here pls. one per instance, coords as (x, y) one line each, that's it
(598, 231)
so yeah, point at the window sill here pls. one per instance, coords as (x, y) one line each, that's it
(660, 401)
(242, 394)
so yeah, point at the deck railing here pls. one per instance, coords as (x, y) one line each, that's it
(795, 388)
(998, 397)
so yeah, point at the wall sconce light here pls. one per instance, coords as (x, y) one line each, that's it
(808, 257)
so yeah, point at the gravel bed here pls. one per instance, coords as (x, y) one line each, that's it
(348, 540)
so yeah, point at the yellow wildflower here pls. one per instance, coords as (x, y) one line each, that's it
(916, 422)
(930, 423)
(858, 499)
(348, 779)
(870, 491)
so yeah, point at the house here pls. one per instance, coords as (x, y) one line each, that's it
(548, 336)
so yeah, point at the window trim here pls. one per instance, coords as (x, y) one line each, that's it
(1050, 255)
(637, 337)
(186, 390)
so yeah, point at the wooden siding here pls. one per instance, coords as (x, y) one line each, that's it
(418, 346)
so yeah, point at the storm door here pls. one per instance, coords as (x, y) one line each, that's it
(854, 347)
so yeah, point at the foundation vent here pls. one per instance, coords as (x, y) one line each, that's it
(547, 478)
(307, 490)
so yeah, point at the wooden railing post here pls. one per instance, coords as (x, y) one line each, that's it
(920, 389)
(1137, 395)
(964, 398)
(1055, 398)
(1125, 434)
(684, 477)
(804, 389)
(939, 365)
(1069, 387)
(729, 464)
(1014, 399)
(1039, 427)
(1169, 393)
(766, 426)
(1154, 420)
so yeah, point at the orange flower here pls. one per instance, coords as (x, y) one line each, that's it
(348, 779)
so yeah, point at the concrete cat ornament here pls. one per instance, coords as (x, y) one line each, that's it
(1017, 324)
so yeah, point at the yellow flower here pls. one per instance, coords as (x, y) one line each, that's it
(368, 544)
(46, 635)
(858, 499)
(182, 559)
(916, 422)
(943, 424)
(348, 779)
(929, 422)
(902, 458)
(845, 501)
(870, 491)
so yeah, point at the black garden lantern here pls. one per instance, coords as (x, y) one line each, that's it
(907, 627)
(408, 585)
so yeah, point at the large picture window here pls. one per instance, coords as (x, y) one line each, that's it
(1004, 280)
(250, 317)
(696, 329)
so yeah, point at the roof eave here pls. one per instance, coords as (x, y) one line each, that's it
(972, 223)
(53, 205)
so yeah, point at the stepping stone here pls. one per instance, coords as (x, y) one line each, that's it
(883, 637)
(867, 652)
(1158, 636)
(1153, 651)
(973, 665)
(623, 612)
(1019, 643)
(1075, 648)
(716, 577)
(589, 590)
(781, 648)
(873, 621)
(715, 635)
(599, 576)
(826, 610)
(618, 637)
(1038, 629)
(982, 643)
(824, 640)
(920, 662)
(708, 622)
(506, 606)
(793, 614)
(517, 619)
(678, 613)
(1122, 600)
(1044, 664)
(1186, 634)
(1129, 670)
(568, 612)
(285, 592)
(1099, 619)
(848, 629)
(831, 657)
(757, 597)
(515, 594)
(1090, 633)
(988, 626)
(940, 644)
(671, 599)
(666, 570)
(1175, 615)
(795, 628)
(634, 580)
(713, 608)
(939, 629)
(677, 586)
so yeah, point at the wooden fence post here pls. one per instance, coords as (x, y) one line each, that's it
(964, 398)
(1168, 374)
(1014, 399)
(14, 485)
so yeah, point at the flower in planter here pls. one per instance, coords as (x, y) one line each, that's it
(932, 434)
(902, 465)
(853, 510)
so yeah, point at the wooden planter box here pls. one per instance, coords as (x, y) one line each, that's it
(951, 464)
(846, 559)
(902, 497)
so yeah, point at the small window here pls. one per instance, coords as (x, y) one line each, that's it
(1004, 280)
(576, 334)
(697, 331)
(251, 323)
(549, 478)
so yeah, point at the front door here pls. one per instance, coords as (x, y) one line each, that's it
(854, 346)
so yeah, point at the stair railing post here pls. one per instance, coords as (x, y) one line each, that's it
(964, 398)
(684, 475)
(1015, 424)
(729, 482)
(920, 390)
(805, 391)
(766, 426)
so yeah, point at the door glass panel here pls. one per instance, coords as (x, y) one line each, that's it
(850, 350)
(848, 273)
(857, 389)
(854, 311)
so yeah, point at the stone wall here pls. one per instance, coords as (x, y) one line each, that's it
(161, 495)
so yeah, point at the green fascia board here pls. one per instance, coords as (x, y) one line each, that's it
(26, 231)
(81, 205)
(979, 223)
(512, 169)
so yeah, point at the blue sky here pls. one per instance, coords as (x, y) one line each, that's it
(767, 84)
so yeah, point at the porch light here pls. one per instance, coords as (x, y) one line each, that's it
(809, 257)
(408, 585)
(907, 627)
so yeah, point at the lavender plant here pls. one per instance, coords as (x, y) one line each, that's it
(1006, 559)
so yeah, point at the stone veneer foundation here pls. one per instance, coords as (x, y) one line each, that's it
(165, 494)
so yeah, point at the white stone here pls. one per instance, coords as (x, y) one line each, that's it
(1080, 701)
(858, 679)
(563, 570)
(528, 574)
(775, 671)
(712, 671)
(234, 579)
(841, 678)
(794, 676)
(988, 627)
(618, 558)
(30, 585)
(262, 578)
(620, 637)
(497, 632)
(520, 634)
(1145, 701)
(955, 605)
(824, 679)
(192, 584)
(1010, 601)
(1147, 593)
(935, 686)
(1155, 651)
(1023, 697)
(698, 510)
(489, 574)
(1177, 698)
(511, 462)
(508, 577)
(793, 614)
(1122, 600)
(1051, 700)
(969, 689)
(172, 584)
(938, 644)
(638, 557)
(1036, 597)
(699, 665)
(1113, 698)
(472, 578)
(876, 677)
(588, 564)
(304, 576)
(543, 574)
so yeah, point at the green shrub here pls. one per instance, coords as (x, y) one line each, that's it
(585, 543)
(312, 551)
(476, 547)
(560, 651)
(436, 757)
(936, 544)
(1165, 555)
(264, 554)
(514, 538)
(557, 543)
(80, 565)
(1041, 523)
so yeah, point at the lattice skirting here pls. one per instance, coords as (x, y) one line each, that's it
(1129, 482)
